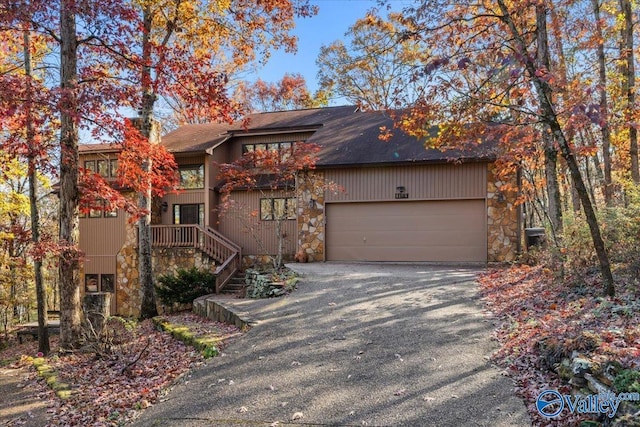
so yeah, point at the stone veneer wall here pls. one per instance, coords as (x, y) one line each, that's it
(311, 205)
(164, 261)
(503, 237)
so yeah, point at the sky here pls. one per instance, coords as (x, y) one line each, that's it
(331, 23)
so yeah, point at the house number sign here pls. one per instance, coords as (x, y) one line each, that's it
(402, 195)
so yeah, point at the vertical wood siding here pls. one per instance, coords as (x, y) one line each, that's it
(100, 240)
(99, 264)
(235, 225)
(423, 182)
(102, 236)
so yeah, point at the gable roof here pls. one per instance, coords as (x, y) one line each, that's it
(346, 136)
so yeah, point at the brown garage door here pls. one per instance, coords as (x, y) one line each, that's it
(451, 230)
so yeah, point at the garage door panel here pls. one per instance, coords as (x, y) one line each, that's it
(407, 231)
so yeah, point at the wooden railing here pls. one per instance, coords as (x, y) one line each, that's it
(226, 253)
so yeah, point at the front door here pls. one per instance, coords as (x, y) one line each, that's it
(189, 214)
(185, 215)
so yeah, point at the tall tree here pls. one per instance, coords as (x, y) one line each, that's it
(605, 129)
(550, 151)
(289, 93)
(376, 69)
(629, 77)
(70, 309)
(485, 68)
(41, 297)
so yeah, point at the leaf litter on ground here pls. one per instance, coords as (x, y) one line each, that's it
(110, 391)
(540, 317)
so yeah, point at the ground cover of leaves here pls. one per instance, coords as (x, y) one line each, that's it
(541, 319)
(112, 389)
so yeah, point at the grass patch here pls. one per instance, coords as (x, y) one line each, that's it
(205, 344)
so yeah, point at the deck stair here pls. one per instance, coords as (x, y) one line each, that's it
(236, 286)
(227, 254)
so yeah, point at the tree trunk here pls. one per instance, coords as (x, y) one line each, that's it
(553, 187)
(70, 308)
(41, 296)
(549, 117)
(629, 77)
(604, 108)
(550, 151)
(148, 307)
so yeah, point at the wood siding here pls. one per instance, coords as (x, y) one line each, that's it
(100, 241)
(102, 236)
(99, 264)
(423, 182)
(235, 225)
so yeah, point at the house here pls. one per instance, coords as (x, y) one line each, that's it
(401, 202)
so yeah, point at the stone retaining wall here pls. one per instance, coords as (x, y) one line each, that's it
(163, 261)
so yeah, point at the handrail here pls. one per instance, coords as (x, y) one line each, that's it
(209, 241)
(224, 238)
(225, 272)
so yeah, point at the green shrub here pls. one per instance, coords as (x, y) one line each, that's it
(185, 286)
(627, 381)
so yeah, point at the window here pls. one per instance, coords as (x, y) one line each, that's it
(283, 147)
(90, 165)
(110, 214)
(100, 283)
(278, 208)
(108, 283)
(99, 213)
(103, 168)
(106, 168)
(191, 176)
(113, 168)
(91, 282)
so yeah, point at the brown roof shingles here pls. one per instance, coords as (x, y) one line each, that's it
(346, 136)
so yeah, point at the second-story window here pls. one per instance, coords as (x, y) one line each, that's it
(284, 148)
(103, 168)
(113, 168)
(191, 176)
(90, 165)
(106, 168)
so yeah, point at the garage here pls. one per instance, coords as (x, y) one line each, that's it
(439, 231)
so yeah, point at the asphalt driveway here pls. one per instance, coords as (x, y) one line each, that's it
(356, 344)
